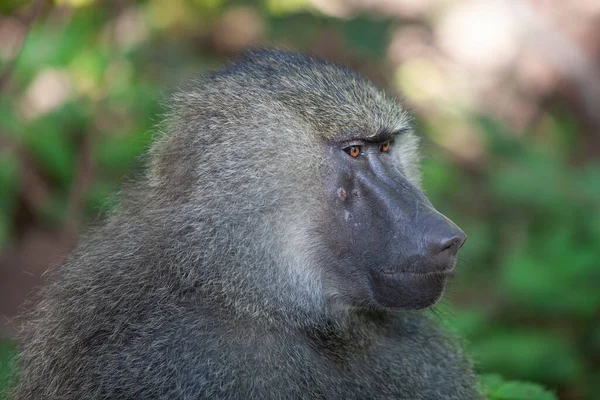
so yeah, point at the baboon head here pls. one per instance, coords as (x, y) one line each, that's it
(312, 173)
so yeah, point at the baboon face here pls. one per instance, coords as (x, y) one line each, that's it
(391, 248)
(326, 166)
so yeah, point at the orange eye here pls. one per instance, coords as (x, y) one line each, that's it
(353, 151)
(385, 147)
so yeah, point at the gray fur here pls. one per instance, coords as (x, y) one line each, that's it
(208, 282)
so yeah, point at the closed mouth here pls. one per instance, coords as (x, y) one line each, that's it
(428, 274)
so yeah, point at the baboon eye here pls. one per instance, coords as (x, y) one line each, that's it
(353, 151)
(385, 147)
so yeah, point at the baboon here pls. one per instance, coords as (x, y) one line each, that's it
(277, 247)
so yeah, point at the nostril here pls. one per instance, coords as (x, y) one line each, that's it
(448, 245)
(442, 240)
(452, 244)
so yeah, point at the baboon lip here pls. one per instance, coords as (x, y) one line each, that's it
(446, 273)
(419, 269)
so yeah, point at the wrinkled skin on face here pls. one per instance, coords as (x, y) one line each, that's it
(392, 248)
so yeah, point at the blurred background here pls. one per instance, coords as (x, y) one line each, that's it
(506, 95)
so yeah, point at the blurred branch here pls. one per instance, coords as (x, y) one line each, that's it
(29, 20)
(84, 173)
(84, 176)
(34, 189)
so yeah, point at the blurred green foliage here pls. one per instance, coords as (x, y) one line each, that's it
(497, 388)
(532, 269)
(527, 298)
(7, 352)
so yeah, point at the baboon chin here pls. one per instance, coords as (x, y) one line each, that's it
(278, 246)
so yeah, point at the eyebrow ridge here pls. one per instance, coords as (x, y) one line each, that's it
(385, 135)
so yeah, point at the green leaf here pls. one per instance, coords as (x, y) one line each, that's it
(489, 382)
(516, 390)
(496, 388)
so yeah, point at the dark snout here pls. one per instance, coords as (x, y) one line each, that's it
(424, 240)
(442, 239)
(407, 247)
